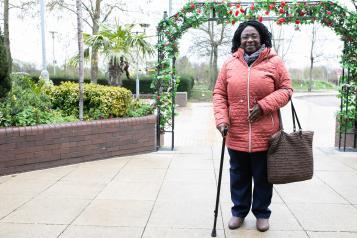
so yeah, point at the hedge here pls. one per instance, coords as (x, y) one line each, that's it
(185, 83)
(99, 101)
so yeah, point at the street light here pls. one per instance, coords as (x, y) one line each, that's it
(53, 50)
(44, 72)
(137, 83)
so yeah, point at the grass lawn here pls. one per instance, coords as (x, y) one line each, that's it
(200, 93)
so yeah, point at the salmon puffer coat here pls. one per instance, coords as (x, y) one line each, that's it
(239, 87)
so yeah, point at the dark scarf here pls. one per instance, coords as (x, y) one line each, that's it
(253, 57)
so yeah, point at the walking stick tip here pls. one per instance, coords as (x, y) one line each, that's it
(213, 234)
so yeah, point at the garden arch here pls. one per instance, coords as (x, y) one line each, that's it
(193, 14)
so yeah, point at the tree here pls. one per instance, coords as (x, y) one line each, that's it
(4, 69)
(118, 44)
(280, 40)
(314, 53)
(81, 56)
(24, 7)
(354, 4)
(208, 45)
(7, 35)
(96, 12)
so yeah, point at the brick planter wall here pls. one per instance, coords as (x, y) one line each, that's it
(36, 147)
(349, 137)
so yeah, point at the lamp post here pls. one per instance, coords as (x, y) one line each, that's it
(44, 72)
(170, 7)
(53, 51)
(137, 83)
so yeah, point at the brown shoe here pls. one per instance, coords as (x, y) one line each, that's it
(262, 224)
(235, 222)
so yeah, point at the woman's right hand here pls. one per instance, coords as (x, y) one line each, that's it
(223, 129)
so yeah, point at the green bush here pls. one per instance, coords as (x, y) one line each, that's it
(4, 69)
(99, 101)
(185, 84)
(303, 85)
(27, 104)
(139, 109)
(145, 85)
(59, 80)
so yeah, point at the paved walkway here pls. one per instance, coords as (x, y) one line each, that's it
(171, 194)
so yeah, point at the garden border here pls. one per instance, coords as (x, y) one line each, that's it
(43, 146)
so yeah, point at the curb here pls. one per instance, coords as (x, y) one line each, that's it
(314, 94)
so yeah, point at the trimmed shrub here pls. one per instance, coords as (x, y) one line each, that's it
(99, 101)
(4, 69)
(185, 83)
(145, 85)
(139, 109)
(27, 104)
(59, 80)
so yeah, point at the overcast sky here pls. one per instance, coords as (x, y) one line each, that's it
(26, 40)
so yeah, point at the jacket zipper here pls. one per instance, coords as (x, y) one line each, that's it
(250, 125)
(248, 94)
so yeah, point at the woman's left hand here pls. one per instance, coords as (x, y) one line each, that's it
(255, 113)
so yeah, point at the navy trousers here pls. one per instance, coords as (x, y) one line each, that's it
(243, 168)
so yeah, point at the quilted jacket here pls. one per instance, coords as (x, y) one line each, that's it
(239, 87)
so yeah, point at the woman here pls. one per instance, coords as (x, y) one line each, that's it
(252, 85)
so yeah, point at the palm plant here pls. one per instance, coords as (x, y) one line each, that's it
(118, 44)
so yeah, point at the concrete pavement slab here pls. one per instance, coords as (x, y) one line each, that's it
(25, 186)
(48, 211)
(81, 189)
(183, 214)
(154, 232)
(326, 217)
(142, 191)
(148, 163)
(189, 163)
(105, 212)
(332, 234)
(9, 203)
(186, 191)
(140, 175)
(312, 191)
(102, 232)
(193, 176)
(9, 230)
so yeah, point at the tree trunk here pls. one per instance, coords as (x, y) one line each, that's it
(214, 67)
(310, 75)
(312, 56)
(7, 34)
(94, 54)
(81, 56)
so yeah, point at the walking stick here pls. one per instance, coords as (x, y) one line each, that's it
(214, 234)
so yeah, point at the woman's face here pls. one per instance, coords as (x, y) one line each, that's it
(250, 40)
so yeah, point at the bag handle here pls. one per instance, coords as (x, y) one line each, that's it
(294, 115)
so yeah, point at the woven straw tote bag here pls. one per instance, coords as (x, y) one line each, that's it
(290, 157)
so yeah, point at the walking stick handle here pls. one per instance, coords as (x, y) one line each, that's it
(225, 131)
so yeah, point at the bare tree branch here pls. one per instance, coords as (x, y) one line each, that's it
(61, 4)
